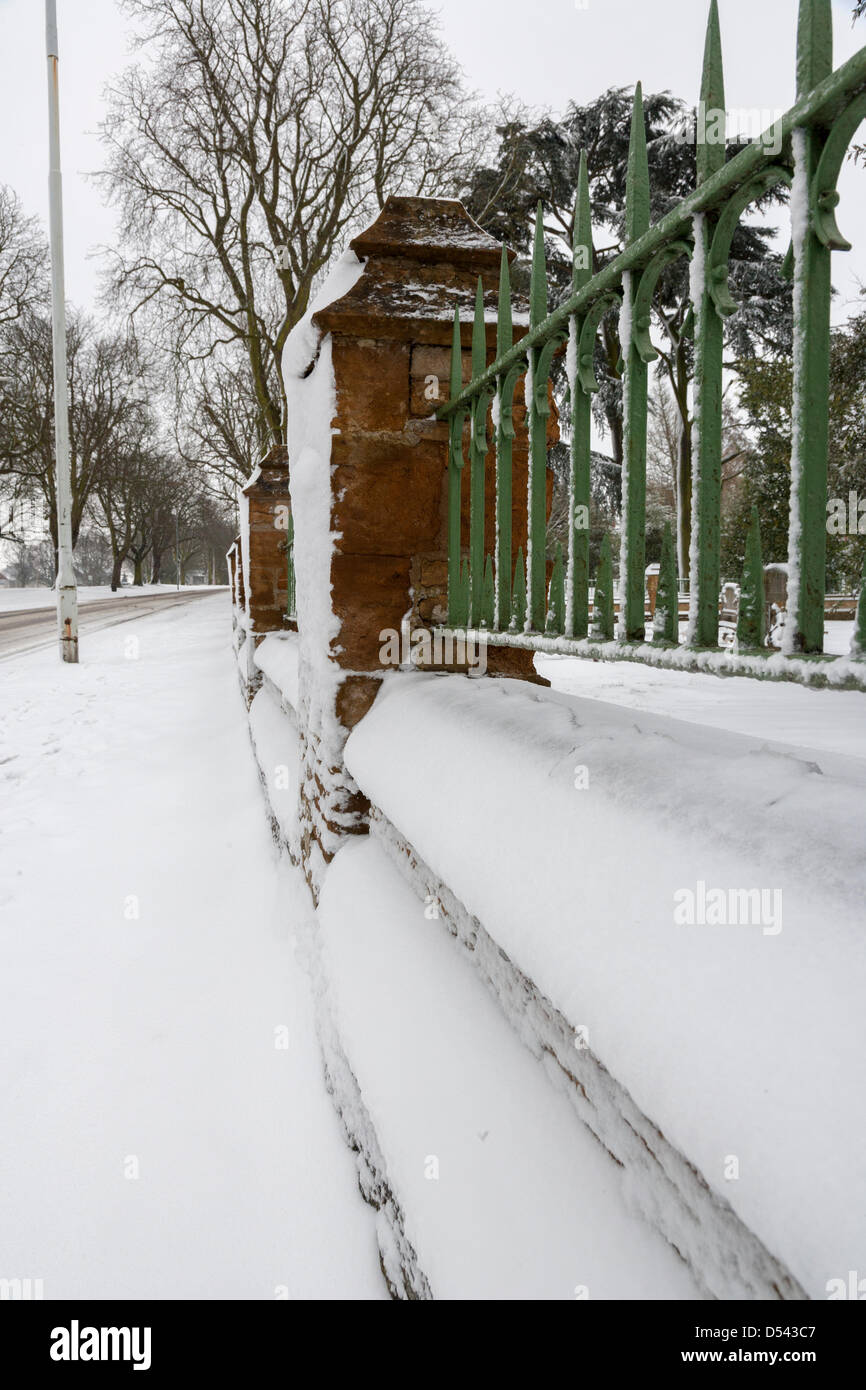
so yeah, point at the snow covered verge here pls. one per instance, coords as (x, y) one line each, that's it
(277, 746)
(166, 1132)
(587, 840)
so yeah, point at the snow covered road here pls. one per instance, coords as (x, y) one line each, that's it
(164, 1127)
(30, 624)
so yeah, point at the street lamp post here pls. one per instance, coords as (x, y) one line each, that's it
(67, 598)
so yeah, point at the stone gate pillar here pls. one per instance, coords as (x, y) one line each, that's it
(387, 340)
(268, 507)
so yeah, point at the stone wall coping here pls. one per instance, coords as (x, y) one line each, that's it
(429, 229)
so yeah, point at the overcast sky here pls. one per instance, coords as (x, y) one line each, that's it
(546, 52)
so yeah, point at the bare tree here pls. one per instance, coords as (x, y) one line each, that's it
(118, 491)
(664, 446)
(92, 553)
(105, 379)
(33, 565)
(23, 259)
(219, 428)
(257, 124)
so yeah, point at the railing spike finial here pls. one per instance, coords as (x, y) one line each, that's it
(456, 358)
(518, 609)
(637, 189)
(479, 334)
(582, 236)
(538, 281)
(814, 44)
(710, 135)
(504, 327)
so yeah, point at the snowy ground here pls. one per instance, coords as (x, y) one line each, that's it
(824, 720)
(837, 636)
(16, 600)
(157, 1139)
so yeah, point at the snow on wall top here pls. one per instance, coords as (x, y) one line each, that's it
(734, 1039)
(303, 341)
(277, 656)
(428, 228)
(423, 259)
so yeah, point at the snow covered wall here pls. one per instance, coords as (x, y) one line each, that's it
(612, 858)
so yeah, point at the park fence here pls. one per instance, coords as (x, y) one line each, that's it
(515, 598)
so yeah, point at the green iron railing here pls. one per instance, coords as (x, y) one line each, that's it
(509, 598)
(291, 595)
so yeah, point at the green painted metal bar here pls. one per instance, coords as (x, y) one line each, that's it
(824, 198)
(666, 617)
(477, 456)
(577, 578)
(751, 622)
(291, 591)
(487, 595)
(705, 552)
(804, 630)
(828, 100)
(505, 386)
(536, 586)
(518, 603)
(634, 397)
(603, 606)
(456, 616)
(555, 624)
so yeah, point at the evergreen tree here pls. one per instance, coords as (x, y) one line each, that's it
(766, 402)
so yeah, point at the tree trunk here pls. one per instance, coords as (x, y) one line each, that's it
(116, 567)
(156, 567)
(138, 576)
(684, 499)
(55, 543)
